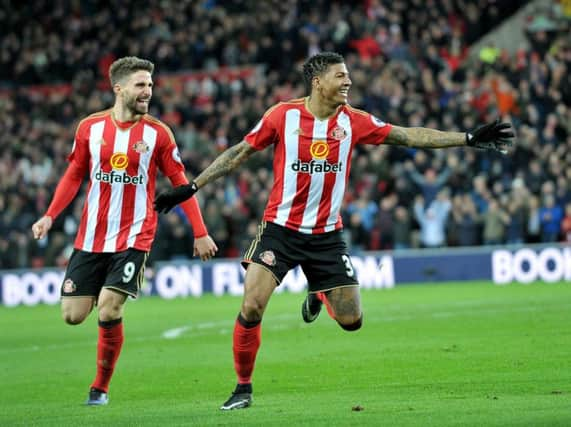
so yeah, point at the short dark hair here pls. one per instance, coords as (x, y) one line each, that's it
(318, 64)
(124, 67)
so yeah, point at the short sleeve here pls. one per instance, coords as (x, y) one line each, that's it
(168, 159)
(79, 154)
(264, 133)
(370, 130)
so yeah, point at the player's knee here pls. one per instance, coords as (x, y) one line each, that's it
(253, 310)
(73, 318)
(75, 310)
(351, 323)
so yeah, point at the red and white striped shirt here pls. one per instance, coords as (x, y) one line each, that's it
(312, 160)
(122, 160)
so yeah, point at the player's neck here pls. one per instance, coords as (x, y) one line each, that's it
(124, 115)
(320, 110)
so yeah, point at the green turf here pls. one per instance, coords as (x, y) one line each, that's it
(431, 355)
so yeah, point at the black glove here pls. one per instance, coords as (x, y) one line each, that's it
(492, 136)
(164, 202)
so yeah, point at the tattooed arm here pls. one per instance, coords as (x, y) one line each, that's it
(424, 138)
(225, 163)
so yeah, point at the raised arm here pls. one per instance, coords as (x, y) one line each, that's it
(225, 163)
(492, 136)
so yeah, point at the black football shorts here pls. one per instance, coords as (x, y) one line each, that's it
(323, 257)
(88, 272)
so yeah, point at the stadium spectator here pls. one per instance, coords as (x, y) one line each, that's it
(495, 221)
(465, 220)
(357, 237)
(382, 236)
(566, 224)
(533, 220)
(430, 183)
(366, 209)
(402, 230)
(5, 259)
(550, 216)
(432, 220)
(516, 226)
(480, 194)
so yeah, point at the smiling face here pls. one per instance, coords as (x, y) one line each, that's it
(135, 92)
(332, 86)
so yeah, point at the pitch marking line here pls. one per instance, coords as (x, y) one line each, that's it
(291, 321)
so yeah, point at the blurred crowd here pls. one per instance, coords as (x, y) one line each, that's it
(409, 63)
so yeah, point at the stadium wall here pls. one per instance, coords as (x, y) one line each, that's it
(375, 270)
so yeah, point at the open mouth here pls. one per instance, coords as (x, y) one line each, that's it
(144, 101)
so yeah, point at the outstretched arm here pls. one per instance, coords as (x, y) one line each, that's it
(225, 163)
(492, 136)
(424, 138)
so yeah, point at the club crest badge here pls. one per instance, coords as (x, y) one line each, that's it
(141, 147)
(68, 286)
(338, 133)
(268, 257)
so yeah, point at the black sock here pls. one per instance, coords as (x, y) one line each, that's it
(106, 324)
(246, 324)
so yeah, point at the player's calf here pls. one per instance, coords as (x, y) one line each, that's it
(346, 305)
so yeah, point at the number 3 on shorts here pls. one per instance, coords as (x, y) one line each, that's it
(348, 265)
(128, 271)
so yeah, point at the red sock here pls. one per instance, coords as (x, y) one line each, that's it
(108, 348)
(247, 338)
(323, 298)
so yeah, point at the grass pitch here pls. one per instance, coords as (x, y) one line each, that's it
(432, 355)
